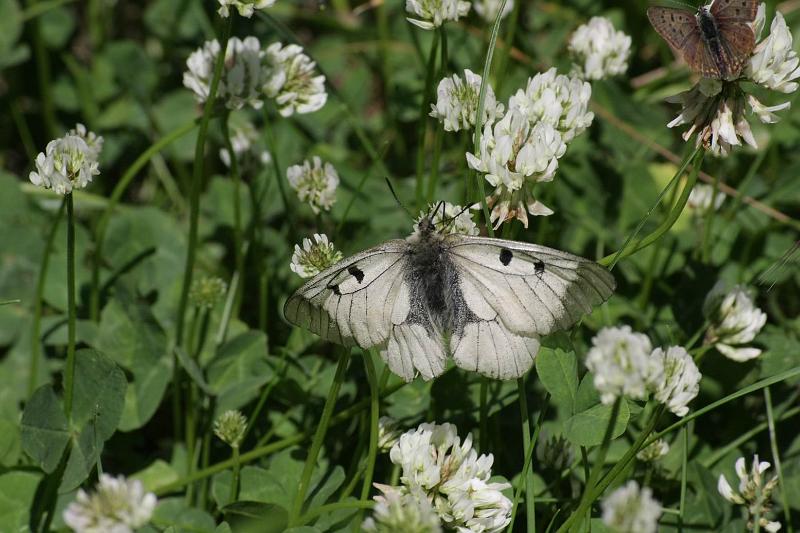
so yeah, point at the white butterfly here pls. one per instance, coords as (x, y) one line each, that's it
(485, 302)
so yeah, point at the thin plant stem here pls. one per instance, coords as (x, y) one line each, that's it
(423, 118)
(113, 201)
(530, 497)
(483, 435)
(332, 507)
(319, 436)
(710, 212)
(38, 302)
(237, 210)
(374, 396)
(69, 371)
(487, 66)
(234, 492)
(776, 458)
(526, 467)
(502, 63)
(273, 152)
(684, 472)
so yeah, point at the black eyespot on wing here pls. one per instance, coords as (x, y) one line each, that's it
(505, 256)
(356, 273)
(335, 289)
(539, 266)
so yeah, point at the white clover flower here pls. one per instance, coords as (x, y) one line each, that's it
(676, 381)
(244, 139)
(753, 492)
(400, 509)
(206, 292)
(448, 219)
(514, 155)
(774, 63)
(117, 506)
(433, 13)
(717, 110)
(700, 198)
(246, 8)
(388, 433)
(558, 100)
(290, 77)
(314, 257)
(241, 74)
(488, 9)
(69, 162)
(457, 102)
(631, 510)
(621, 363)
(454, 478)
(554, 452)
(658, 449)
(735, 321)
(230, 427)
(315, 183)
(601, 50)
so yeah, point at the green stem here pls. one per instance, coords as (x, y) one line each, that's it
(776, 458)
(632, 246)
(69, 372)
(234, 492)
(530, 497)
(526, 467)
(710, 212)
(332, 507)
(273, 152)
(423, 118)
(487, 66)
(113, 201)
(237, 211)
(40, 8)
(196, 185)
(374, 396)
(684, 473)
(502, 63)
(38, 302)
(319, 436)
(483, 439)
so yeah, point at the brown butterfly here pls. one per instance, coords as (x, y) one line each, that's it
(716, 41)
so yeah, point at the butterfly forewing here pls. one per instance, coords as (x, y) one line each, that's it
(734, 10)
(674, 25)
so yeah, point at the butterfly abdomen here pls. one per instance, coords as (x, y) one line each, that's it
(710, 33)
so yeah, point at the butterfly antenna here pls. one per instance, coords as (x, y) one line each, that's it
(452, 219)
(396, 198)
(767, 276)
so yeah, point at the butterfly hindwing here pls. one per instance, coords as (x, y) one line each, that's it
(335, 304)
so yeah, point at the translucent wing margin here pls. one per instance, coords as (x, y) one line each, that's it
(532, 289)
(356, 301)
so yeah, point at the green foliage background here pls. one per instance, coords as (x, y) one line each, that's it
(117, 68)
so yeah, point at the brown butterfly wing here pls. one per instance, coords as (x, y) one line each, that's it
(737, 41)
(674, 25)
(734, 10)
(700, 58)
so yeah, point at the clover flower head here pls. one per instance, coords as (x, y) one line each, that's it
(430, 14)
(315, 183)
(555, 452)
(675, 379)
(600, 50)
(755, 492)
(457, 102)
(230, 427)
(631, 509)
(655, 451)
(69, 162)
(621, 363)
(700, 199)
(399, 509)
(314, 257)
(206, 292)
(735, 322)
(240, 82)
(514, 155)
(117, 505)
(448, 219)
(717, 110)
(488, 9)
(290, 77)
(454, 478)
(559, 100)
(246, 8)
(244, 139)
